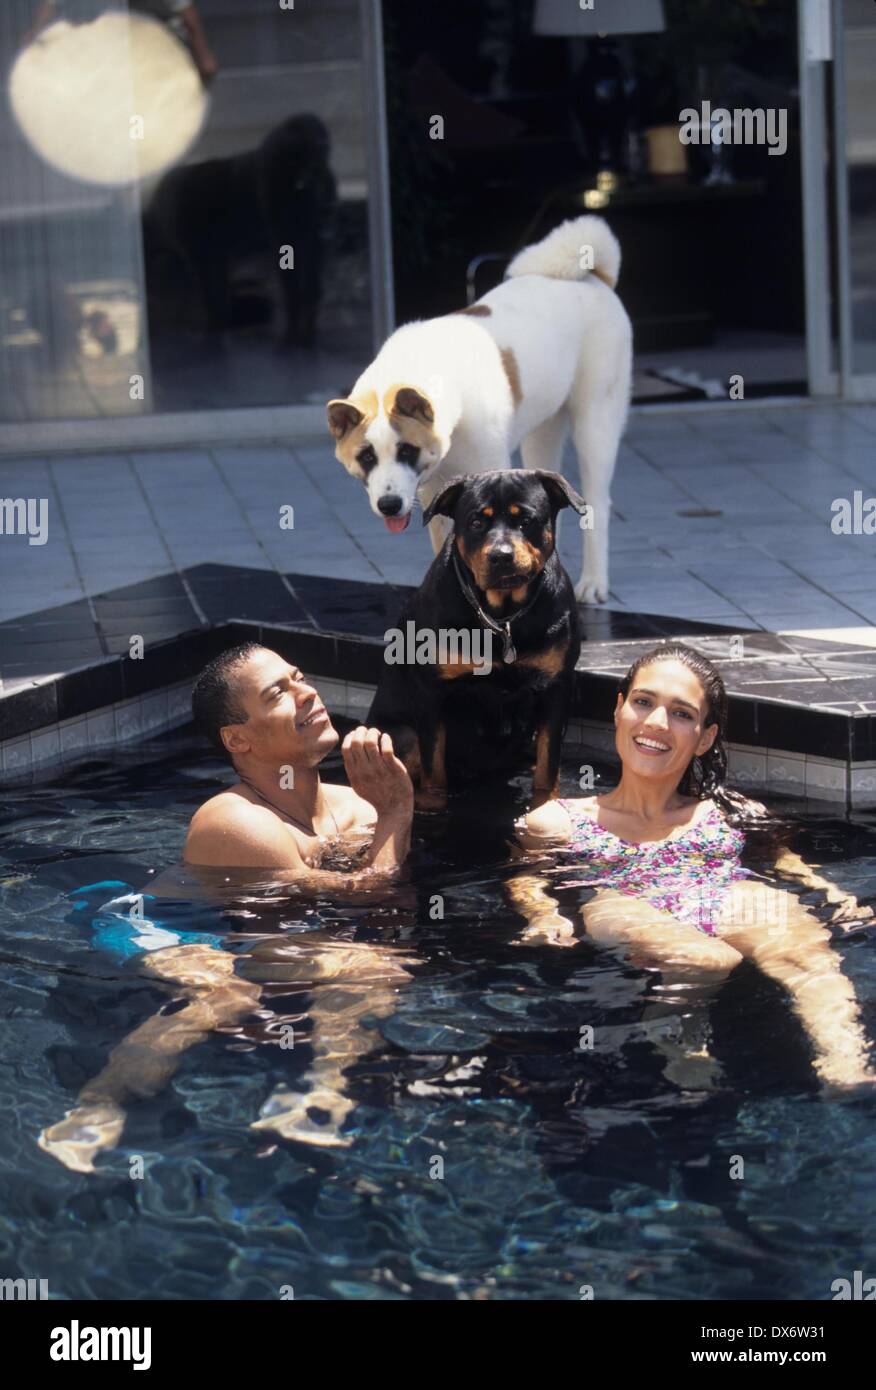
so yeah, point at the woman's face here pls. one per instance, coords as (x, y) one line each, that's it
(660, 726)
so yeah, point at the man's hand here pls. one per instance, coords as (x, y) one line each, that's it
(376, 774)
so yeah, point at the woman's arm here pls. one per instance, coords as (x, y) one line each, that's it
(544, 922)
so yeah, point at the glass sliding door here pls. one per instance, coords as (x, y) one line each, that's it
(243, 274)
(72, 298)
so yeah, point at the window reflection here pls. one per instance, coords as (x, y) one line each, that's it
(238, 276)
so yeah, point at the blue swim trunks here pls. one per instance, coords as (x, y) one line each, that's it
(127, 924)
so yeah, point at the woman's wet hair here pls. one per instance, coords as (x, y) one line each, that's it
(215, 700)
(706, 775)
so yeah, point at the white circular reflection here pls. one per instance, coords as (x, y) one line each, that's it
(109, 102)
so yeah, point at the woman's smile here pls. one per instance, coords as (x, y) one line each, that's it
(651, 746)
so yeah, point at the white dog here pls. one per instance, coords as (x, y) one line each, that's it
(546, 353)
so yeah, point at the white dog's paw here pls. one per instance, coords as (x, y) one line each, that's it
(590, 590)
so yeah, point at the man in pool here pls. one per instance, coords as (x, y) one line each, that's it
(279, 815)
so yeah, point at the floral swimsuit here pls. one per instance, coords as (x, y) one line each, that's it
(687, 876)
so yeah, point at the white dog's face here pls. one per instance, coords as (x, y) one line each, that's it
(390, 449)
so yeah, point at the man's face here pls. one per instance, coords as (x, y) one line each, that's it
(286, 720)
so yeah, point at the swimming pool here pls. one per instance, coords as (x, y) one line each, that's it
(492, 1156)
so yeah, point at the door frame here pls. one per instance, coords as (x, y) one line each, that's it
(814, 48)
(824, 168)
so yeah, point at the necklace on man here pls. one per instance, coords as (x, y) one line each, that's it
(308, 830)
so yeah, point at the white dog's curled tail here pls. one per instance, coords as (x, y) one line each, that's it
(582, 246)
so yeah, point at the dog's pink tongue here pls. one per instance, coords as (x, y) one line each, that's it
(397, 523)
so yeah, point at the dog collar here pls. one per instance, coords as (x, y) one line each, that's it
(509, 652)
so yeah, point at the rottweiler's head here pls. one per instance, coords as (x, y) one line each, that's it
(504, 525)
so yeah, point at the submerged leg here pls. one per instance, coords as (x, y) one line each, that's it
(315, 1115)
(656, 940)
(142, 1064)
(787, 942)
(692, 967)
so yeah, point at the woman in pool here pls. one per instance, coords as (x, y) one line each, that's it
(662, 850)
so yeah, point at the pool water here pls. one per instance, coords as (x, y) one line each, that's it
(488, 1155)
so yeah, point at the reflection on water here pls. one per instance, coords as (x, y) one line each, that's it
(388, 1097)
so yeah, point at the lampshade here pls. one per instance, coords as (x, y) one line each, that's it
(566, 19)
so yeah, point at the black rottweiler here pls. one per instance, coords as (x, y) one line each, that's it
(481, 663)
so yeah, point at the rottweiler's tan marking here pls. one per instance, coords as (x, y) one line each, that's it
(452, 670)
(550, 661)
(526, 558)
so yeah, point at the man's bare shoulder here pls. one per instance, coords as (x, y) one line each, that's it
(230, 829)
(229, 805)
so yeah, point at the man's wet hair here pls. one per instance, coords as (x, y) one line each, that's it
(215, 698)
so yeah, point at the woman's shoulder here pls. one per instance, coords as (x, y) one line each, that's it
(578, 807)
(546, 824)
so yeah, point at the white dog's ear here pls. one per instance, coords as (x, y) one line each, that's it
(343, 416)
(409, 401)
(560, 493)
(444, 504)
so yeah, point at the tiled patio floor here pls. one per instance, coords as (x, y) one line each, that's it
(768, 559)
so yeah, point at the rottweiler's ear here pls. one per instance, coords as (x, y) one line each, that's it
(561, 493)
(444, 504)
(343, 416)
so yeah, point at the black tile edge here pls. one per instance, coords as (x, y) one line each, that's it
(759, 723)
(27, 709)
